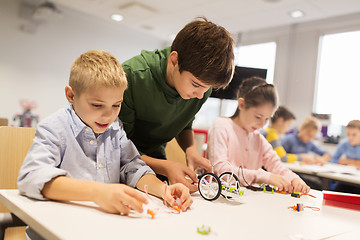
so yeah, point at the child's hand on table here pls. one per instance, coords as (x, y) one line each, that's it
(179, 190)
(307, 159)
(280, 182)
(299, 185)
(118, 198)
(177, 173)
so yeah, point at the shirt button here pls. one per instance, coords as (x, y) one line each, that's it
(87, 129)
(100, 165)
(246, 149)
(91, 141)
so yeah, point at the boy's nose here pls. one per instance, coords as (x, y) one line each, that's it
(199, 94)
(107, 113)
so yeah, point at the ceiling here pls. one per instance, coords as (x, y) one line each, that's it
(164, 18)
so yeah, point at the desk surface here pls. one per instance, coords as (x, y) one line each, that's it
(259, 215)
(333, 171)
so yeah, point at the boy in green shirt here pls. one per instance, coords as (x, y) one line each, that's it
(166, 88)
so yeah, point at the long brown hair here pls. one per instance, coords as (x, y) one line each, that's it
(255, 92)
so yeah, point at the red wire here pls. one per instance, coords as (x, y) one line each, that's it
(313, 208)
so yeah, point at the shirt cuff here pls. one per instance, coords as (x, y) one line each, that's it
(139, 173)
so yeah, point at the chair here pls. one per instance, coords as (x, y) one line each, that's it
(14, 145)
(174, 152)
(4, 121)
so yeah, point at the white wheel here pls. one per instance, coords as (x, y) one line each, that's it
(209, 186)
(230, 184)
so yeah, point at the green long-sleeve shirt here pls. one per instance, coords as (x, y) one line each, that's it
(152, 112)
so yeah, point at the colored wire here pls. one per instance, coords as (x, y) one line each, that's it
(309, 195)
(242, 174)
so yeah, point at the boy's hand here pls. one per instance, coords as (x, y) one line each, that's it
(176, 173)
(300, 186)
(180, 191)
(323, 159)
(194, 160)
(344, 161)
(118, 198)
(307, 159)
(280, 182)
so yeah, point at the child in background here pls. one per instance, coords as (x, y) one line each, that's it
(81, 153)
(350, 147)
(279, 124)
(237, 141)
(301, 143)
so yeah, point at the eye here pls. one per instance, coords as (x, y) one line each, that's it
(96, 105)
(195, 85)
(116, 106)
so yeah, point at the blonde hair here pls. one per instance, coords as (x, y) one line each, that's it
(96, 67)
(354, 124)
(312, 123)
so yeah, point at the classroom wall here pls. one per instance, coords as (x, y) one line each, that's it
(297, 58)
(36, 66)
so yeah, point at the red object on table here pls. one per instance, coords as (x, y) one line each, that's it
(343, 200)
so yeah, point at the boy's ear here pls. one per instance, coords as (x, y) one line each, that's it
(69, 93)
(280, 120)
(173, 58)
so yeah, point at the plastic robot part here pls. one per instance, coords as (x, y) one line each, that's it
(295, 195)
(230, 185)
(151, 213)
(212, 186)
(204, 230)
(282, 192)
(298, 194)
(268, 188)
(177, 204)
(209, 186)
(300, 207)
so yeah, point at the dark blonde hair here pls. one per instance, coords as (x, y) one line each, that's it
(96, 67)
(255, 92)
(353, 124)
(206, 51)
(311, 123)
(282, 112)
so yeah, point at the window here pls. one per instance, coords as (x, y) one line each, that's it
(338, 82)
(253, 56)
(258, 56)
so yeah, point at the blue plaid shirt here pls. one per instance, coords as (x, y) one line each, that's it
(65, 146)
(293, 144)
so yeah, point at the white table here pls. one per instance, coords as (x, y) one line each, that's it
(329, 171)
(259, 215)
